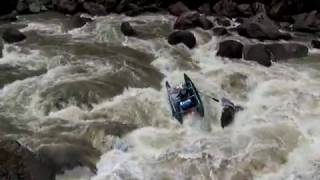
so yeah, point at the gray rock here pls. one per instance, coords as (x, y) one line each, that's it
(18, 162)
(230, 49)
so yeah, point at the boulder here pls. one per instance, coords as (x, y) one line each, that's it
(228, 112)
(226, 8)
(284, 51)
(204, 23)
(307, 22)
(258, 53)
(11, 35)
(258, 7)
(245, 10)
(223, 21)
(187, 20)
(230, 49)
(265, 53)
(67, 6)
(94, 9)
(178, 9)
(35, 7)
(192, 19)
(184, 37)
(127, 29)
(262, 28)
(315, 44)
(205, 9)
(18, 162)
(220, 31)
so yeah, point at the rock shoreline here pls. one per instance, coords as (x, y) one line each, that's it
(258, 20)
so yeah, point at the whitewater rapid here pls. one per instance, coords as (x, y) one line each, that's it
(275, 137)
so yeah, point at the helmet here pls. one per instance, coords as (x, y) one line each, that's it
(183, 92)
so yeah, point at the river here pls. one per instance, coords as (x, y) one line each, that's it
(60, 84)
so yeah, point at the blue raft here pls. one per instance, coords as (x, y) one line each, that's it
(181, 106)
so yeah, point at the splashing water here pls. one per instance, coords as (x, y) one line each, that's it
(97, 74)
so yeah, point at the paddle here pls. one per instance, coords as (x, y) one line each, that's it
(225, 102)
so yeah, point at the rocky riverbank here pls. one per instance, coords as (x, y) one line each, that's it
(258, 21)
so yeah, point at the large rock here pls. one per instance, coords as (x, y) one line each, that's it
(184, 37)
(265, 53)
(205, 9)
(230, 49)
(226, 8)
(192, 19)
(223, 21)
(67, 6)
(127, 29)
(11, 35)
(258, 53)
(187, 20)
(7, 6)
(220, 31)
(262, 28)
(94, 9)
(18, 162)
(287, 51)
(245, 10)
(178, 9)
(204, 23)
(307, 22)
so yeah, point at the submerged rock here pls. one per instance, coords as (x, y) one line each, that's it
(230, 49)
(18, 162)
(65, 156)
(11, 35)
(77, 21)
(127, 29)
(184, 37)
